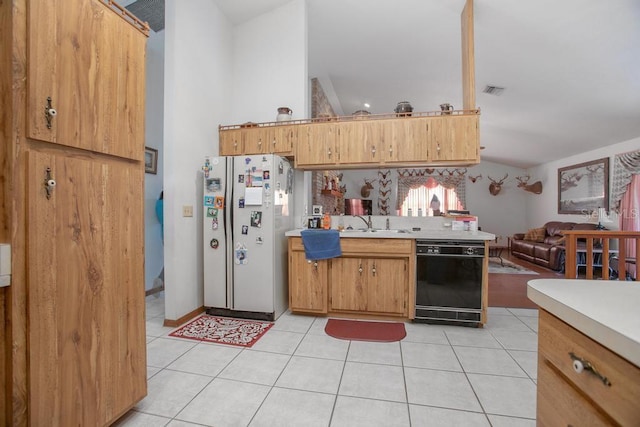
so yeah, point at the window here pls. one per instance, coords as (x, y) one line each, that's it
(420, 199)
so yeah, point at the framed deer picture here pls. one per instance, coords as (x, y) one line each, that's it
(583, 188)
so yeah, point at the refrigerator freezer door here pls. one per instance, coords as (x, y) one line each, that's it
(217, 280)
(259, 233)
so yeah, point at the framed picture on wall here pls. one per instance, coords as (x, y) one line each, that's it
(150, 160)
(583, 188)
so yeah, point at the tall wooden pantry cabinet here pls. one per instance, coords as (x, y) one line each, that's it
(71, 205)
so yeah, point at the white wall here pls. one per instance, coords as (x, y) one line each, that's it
(217, 74)
(154, 136)
(270, 65)
(506, 213)
(197, 74)
(546, 208)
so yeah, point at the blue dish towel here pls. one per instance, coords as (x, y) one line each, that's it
(321, 244)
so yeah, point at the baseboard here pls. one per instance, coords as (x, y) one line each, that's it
(153, 290)
(175, 323)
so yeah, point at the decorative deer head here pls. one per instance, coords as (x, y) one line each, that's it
(569, 180)
(475, 178)
(535, 188)
(366, 188)
(496, 186)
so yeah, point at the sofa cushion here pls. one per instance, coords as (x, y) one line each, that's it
(585, 226)
(535, 234)
(555, 228)
(554, 240)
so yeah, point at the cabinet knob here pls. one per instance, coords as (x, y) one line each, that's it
(390, 149)
(329, 153)
(360, 269)
(373, 270)
(274, 142)
(260, 142)
(373, 151)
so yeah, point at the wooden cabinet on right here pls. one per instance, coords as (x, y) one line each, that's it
(580, 382)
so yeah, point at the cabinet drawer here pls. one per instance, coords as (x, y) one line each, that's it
(559, 404)
(620, 398)
(389, 247)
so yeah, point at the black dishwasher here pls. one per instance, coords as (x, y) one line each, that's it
(449, 281)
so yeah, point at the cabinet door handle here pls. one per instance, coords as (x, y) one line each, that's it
(274, 142)
(329, 153)
(260, 142)
(373, 151)
(390, 150)
(49, 112)
(360, 269)
(580, 364)
(373, 269)
(315, 264)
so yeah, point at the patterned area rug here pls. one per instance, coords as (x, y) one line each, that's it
(223, 330)
(508, 268)
(365, 331)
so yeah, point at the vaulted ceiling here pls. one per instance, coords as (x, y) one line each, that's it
(570, 69)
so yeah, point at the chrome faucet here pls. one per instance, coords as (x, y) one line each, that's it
(368, 222)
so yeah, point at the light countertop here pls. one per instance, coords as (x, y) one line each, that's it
(607, 311)
(422, 234)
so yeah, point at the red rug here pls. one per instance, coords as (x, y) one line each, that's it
(357, 330)
(223, 330)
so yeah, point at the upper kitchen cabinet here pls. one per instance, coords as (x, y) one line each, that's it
(316, 145)
(232, 142)
(360, 141)
(267, 139)
(85, 73)
(408, 140)
(423, 139)
(460, 142)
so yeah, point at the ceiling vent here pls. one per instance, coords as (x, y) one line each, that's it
(150, 11)
(493, 90)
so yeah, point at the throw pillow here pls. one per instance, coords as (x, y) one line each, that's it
(535, 234)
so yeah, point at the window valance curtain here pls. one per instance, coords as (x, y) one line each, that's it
(624, 167)
(409, 179)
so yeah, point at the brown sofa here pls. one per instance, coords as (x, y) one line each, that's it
(549, 252)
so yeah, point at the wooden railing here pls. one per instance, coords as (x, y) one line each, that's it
(597, 245)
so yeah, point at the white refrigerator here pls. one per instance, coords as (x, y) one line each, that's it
(247, 208)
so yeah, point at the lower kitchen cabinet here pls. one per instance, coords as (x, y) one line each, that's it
(308, 281)
(372, 277)
(580, 382)
(373, 285)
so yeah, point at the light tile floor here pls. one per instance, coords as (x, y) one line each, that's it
(296, 375)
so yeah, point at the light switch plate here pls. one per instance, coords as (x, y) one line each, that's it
(5, 264)
(187, 210)
(5, 259)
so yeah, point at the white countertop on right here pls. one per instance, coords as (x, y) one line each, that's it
(607, 311)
